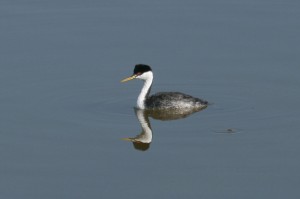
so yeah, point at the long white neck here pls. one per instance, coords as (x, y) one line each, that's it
(148, 79)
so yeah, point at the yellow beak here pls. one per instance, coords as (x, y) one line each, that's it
(129, 78)
(128, 139)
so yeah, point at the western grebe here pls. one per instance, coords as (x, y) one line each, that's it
(161, 100)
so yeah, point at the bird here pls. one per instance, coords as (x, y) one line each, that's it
(161, 100)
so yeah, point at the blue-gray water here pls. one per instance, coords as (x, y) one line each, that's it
(64, 112)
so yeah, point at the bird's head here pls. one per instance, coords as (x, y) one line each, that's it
(141, 71)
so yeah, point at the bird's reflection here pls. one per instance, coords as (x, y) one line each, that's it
(143, 140)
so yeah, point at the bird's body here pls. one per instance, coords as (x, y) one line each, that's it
(161, 100)
(175, 100)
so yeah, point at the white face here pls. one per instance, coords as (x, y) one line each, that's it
(145, 76)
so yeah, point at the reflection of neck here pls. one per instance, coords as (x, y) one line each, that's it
(144, 92)
(146, 135)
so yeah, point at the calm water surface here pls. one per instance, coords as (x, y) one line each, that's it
(64, 112)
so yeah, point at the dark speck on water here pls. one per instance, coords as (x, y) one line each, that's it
(63, 111)
(228, 130)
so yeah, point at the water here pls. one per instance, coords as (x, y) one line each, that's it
(64, 111)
